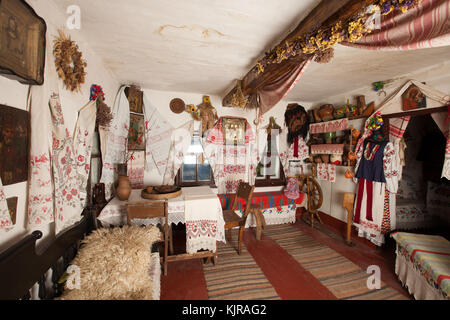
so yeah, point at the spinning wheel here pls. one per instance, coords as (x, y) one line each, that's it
(309, 185)
(315, 196)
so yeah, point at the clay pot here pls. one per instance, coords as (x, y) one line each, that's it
(352, 155)
(349, 174)
(326, 112)
(123, 190)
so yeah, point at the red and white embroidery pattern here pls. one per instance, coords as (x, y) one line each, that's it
(67, 204)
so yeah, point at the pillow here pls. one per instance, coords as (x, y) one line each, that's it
(116, 264)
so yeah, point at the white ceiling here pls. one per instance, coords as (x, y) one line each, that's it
(202, 46)
(191, 46)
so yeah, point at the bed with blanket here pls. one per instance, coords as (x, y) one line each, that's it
(423, 265)
(84, 263)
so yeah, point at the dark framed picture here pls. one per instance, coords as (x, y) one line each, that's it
(14, 129)
(234, 130)
(12, 208)
(22, 42)
(413, 98)
(136, 134)
(135, 99)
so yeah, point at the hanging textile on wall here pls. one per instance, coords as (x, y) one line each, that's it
(5, 217)
(423, 26)
(287, 152)
(158, 138)
(326, 172)
(231, 163)
(68, 205)
(180, 142)
(84, 135)
(40, 186)
(135, 168)
(114, 141)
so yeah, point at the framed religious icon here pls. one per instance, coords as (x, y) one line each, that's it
(14, 129)
(234, 131)
(136, 133)
(413, 98)
(12, 208)
(22, 42)
(135, 98)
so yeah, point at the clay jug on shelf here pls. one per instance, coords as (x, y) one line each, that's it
(123, 190)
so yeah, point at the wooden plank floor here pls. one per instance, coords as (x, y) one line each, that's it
(185, 279)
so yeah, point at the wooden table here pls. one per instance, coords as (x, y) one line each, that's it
(149, 209)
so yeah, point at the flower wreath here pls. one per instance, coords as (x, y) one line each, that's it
(66, 54)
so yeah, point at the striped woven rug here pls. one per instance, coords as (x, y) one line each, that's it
(236, 277)
(338, 274)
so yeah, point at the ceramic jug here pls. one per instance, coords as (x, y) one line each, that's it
(123, 190)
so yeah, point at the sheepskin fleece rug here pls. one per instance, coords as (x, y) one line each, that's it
(115, 264)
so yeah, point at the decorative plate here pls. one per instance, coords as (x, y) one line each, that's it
(177, 105)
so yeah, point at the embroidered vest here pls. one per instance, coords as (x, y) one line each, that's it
(371, 163)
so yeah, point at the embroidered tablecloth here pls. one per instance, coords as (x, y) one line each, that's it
(275, 207)
(264, 200)
(208, 224)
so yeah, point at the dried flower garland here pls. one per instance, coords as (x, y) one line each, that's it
(324, 56)
(322, 40)
(69, 63)
(239, 100)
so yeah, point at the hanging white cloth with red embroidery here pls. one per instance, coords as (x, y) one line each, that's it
(40, 184)
(69, 162)
(5, 217)
(231, 163)
(114, 142)
(158, 138)
(83, 140)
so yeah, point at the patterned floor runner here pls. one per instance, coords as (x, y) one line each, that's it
(341, 276)
(237, 277)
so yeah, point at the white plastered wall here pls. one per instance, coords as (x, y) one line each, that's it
(14, 94)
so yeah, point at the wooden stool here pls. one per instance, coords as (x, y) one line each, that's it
(260, 220)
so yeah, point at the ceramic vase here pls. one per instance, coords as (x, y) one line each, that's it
(123, 190)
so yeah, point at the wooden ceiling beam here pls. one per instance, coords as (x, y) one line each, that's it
(327, 13)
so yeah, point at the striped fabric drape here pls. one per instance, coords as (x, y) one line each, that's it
(425, 26)
(397, 127)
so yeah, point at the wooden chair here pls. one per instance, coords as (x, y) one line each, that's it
(232, 220)
(153, 209)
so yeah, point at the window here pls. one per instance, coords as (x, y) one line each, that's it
(195, 170)
(269, 171)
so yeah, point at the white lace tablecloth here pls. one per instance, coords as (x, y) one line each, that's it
(115, 212)
(209, 223)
